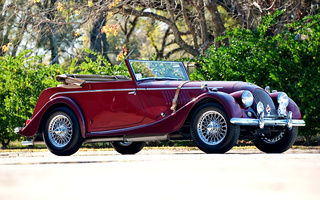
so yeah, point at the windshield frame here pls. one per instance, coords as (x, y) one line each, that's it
(156, 78)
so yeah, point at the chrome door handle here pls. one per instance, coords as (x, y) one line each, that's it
(134, 93)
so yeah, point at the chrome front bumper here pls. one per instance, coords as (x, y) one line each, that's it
(267, 122)
(262, 122)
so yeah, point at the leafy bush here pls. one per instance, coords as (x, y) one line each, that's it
(288, 62)
(22, 79)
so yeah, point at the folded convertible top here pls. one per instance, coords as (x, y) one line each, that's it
(77, 80)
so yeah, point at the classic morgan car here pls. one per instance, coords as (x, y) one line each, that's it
(159, 102)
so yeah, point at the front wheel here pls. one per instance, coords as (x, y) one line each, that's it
(128, 147)
(61, 132)
(278, 143)
(211, 129)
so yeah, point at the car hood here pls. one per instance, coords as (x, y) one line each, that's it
(223, 86)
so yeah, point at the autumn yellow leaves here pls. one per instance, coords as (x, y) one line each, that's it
(4, 48)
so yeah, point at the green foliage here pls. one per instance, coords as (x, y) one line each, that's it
(99, 66)
(288, 62)
(22, 79)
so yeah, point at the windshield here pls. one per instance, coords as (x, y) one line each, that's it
(158, 70)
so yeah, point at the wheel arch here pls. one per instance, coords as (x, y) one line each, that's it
(198, 104)
(66, 103)
(296, 114)
(227, 102)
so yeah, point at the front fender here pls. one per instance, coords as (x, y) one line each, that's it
(32, 128)
(293, 107)
(231, 106)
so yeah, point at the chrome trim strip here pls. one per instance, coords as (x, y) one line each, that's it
(127, 89)
(267, 122)
(174, 88)
(90, 91)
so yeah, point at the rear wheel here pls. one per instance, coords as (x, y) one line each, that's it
(61, 132)
(128, 147)
(279, 142)
(211, 129)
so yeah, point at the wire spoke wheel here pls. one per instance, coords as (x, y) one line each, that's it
(274, 139)
(125, 144)
(212, 127)
(279, 142)
(60, 131)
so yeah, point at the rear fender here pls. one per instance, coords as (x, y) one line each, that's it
(32, 128)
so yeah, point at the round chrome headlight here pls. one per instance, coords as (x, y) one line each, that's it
(283, 99)
(247, 98)
(260, 107)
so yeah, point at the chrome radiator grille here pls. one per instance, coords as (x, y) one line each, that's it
(263, 96)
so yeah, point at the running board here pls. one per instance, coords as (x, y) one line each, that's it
(112, 139)
(129, 139)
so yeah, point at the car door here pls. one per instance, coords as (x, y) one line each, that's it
(161, 94)
(115, 105)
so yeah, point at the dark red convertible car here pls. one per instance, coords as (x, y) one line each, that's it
(159, 102)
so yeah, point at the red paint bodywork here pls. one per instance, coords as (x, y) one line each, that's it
(128, 107)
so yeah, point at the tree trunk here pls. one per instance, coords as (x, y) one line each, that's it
(52, 34)
(5, 143)
(98, 40)
(219, 28)
(53, 43)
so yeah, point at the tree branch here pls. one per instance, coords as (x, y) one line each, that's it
(172, 25)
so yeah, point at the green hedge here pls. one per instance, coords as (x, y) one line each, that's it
(21, 81)
(288, 62)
